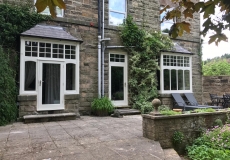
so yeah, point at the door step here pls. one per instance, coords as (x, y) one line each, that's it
(122, 107)
(49, 117)
(121, 112)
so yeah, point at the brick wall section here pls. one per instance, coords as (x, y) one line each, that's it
(162, 128)
(216, 85)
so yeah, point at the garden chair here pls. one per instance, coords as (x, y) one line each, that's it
(214, 99)
(180, 103)
(192, 100)
(226, 102)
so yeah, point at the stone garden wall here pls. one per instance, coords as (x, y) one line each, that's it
(162, 128)
(216, 85)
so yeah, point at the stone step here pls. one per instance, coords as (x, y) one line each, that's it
(122, 107)
(171, 154)
(128, 111)
(49, 117)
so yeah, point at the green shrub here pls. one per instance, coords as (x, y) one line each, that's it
(177, 137)
(8, 108)
(170, 112)
(218, 122)
(163, 108)
(204, 110)
(213, 144)
(102, 104)
(146, 107)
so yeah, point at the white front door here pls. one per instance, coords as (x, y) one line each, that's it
(118, 86)
(50, 85)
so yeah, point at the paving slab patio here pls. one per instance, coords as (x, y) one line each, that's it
(86, 138)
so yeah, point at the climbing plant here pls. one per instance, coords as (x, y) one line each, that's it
(14, 19)
(143, 48)
(8, 108)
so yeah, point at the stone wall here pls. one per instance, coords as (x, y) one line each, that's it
(81, 20)
(216, 85)
(28, 105)
(162, 128)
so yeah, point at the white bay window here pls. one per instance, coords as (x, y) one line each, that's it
(175, 73)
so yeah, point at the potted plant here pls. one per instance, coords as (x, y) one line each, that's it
(102, 106)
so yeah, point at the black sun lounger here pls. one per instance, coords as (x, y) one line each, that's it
(180, 104)
(192, 100)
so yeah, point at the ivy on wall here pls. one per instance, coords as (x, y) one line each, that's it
(14, 19)
(143, 48)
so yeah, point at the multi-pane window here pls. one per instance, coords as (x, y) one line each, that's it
(49, 50)
(117, 58)
(175, 73)
(165, 25)
(117, 11)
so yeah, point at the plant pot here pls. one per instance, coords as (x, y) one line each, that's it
(101, 113)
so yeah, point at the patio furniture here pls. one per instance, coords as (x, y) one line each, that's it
(214, 99)
(180, 104)
(192, 100)
(226, 99)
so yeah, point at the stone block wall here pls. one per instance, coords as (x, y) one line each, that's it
(81, 20)
(28, 105)
(216, 85)
(162, 128)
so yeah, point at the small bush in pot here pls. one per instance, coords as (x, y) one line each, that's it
(102, 106)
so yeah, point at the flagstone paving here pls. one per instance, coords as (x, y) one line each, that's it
(86, 138)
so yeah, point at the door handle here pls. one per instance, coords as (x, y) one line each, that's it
(40, 83)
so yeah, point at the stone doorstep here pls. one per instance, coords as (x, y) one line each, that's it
(128, 111)
(49, 117)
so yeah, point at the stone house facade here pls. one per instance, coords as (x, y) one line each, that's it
(90, 33)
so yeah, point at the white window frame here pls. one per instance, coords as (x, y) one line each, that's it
(24, 58)
(115, 11)
(168, 21)
(48, 13)
(162, 67)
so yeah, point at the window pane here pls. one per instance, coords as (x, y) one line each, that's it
(117, 83)
(70, 76)
(180, 80)
(30, 76)
(179, 61)
(116, 18)
(187, 80)
(166, 79)
(117, 5)
(186, 61)
(173, 80)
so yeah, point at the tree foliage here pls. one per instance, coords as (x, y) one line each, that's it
(143, 48)
(216, 68)
(185, 9)
(52, 4)
(16, 19)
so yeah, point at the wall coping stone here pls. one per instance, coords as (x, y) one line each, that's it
(149, 116)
